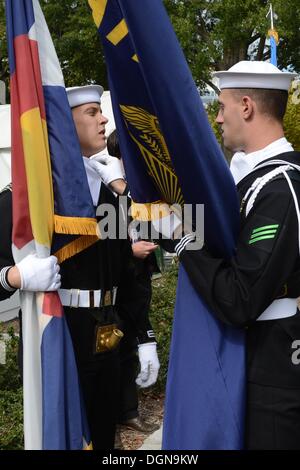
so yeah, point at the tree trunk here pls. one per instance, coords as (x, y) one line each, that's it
(261, 48)
(234, 54)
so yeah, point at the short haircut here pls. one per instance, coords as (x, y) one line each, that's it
(113, 145)
(270, 102)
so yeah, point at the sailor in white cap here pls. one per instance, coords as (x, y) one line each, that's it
(96, 286)
(258, 288)
(260, 78)
(102, 276)
(89, 121)
(101, 167)
(85, 102)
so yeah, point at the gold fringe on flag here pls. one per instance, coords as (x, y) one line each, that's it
(88, 446)
(75, 247)
(75, 225)
(149, 211)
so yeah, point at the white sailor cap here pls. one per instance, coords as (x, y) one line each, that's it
(254, 74)
(78, 95)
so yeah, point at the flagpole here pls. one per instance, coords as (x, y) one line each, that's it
(273, 35)
(272, 16)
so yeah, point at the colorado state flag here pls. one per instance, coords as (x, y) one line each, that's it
(171, 154)
(50, 194)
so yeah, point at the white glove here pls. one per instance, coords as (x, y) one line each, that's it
(108, 168)
(149, 365)
(39, 274)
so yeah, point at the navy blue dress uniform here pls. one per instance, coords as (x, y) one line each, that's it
(257, 289)
(107, 266)
(6, 258)
(265, 272)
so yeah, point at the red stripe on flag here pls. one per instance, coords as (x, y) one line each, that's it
(52, 305)
(22, 232)
(28, 75)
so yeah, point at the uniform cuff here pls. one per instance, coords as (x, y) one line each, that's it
(181, 245)
(126, 191)
(147, 337)
(3, 279)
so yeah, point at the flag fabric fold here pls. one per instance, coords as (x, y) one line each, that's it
(50, 195)
(170, 154)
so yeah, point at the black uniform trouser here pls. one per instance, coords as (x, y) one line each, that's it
(99, 376)
(100, 387)
(128, 353)
(273, 386)
(128, 388)
(273, 418)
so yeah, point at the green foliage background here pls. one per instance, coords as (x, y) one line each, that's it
(11, 405)
(292, 122)
(161, 315)
(214, 34)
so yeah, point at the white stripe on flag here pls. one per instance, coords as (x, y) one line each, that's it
(32, 330)
(32, 377)
(50, 67)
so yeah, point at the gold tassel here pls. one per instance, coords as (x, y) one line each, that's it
(75, 225)
(273, 33)
(149, 211)
(75, 247)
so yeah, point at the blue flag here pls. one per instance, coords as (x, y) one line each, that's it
(274, 37)
(273, 50)
(171, 154)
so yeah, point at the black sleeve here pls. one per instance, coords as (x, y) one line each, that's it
(143, 282)
(6, 258)
(267, 253)
(133, 299)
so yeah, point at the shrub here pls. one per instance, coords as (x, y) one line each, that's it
(11, 394)
(9, 372)
(161, 315)
(11, 420)
(292, 121)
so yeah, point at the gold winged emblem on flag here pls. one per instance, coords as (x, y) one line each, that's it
(144, 129)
